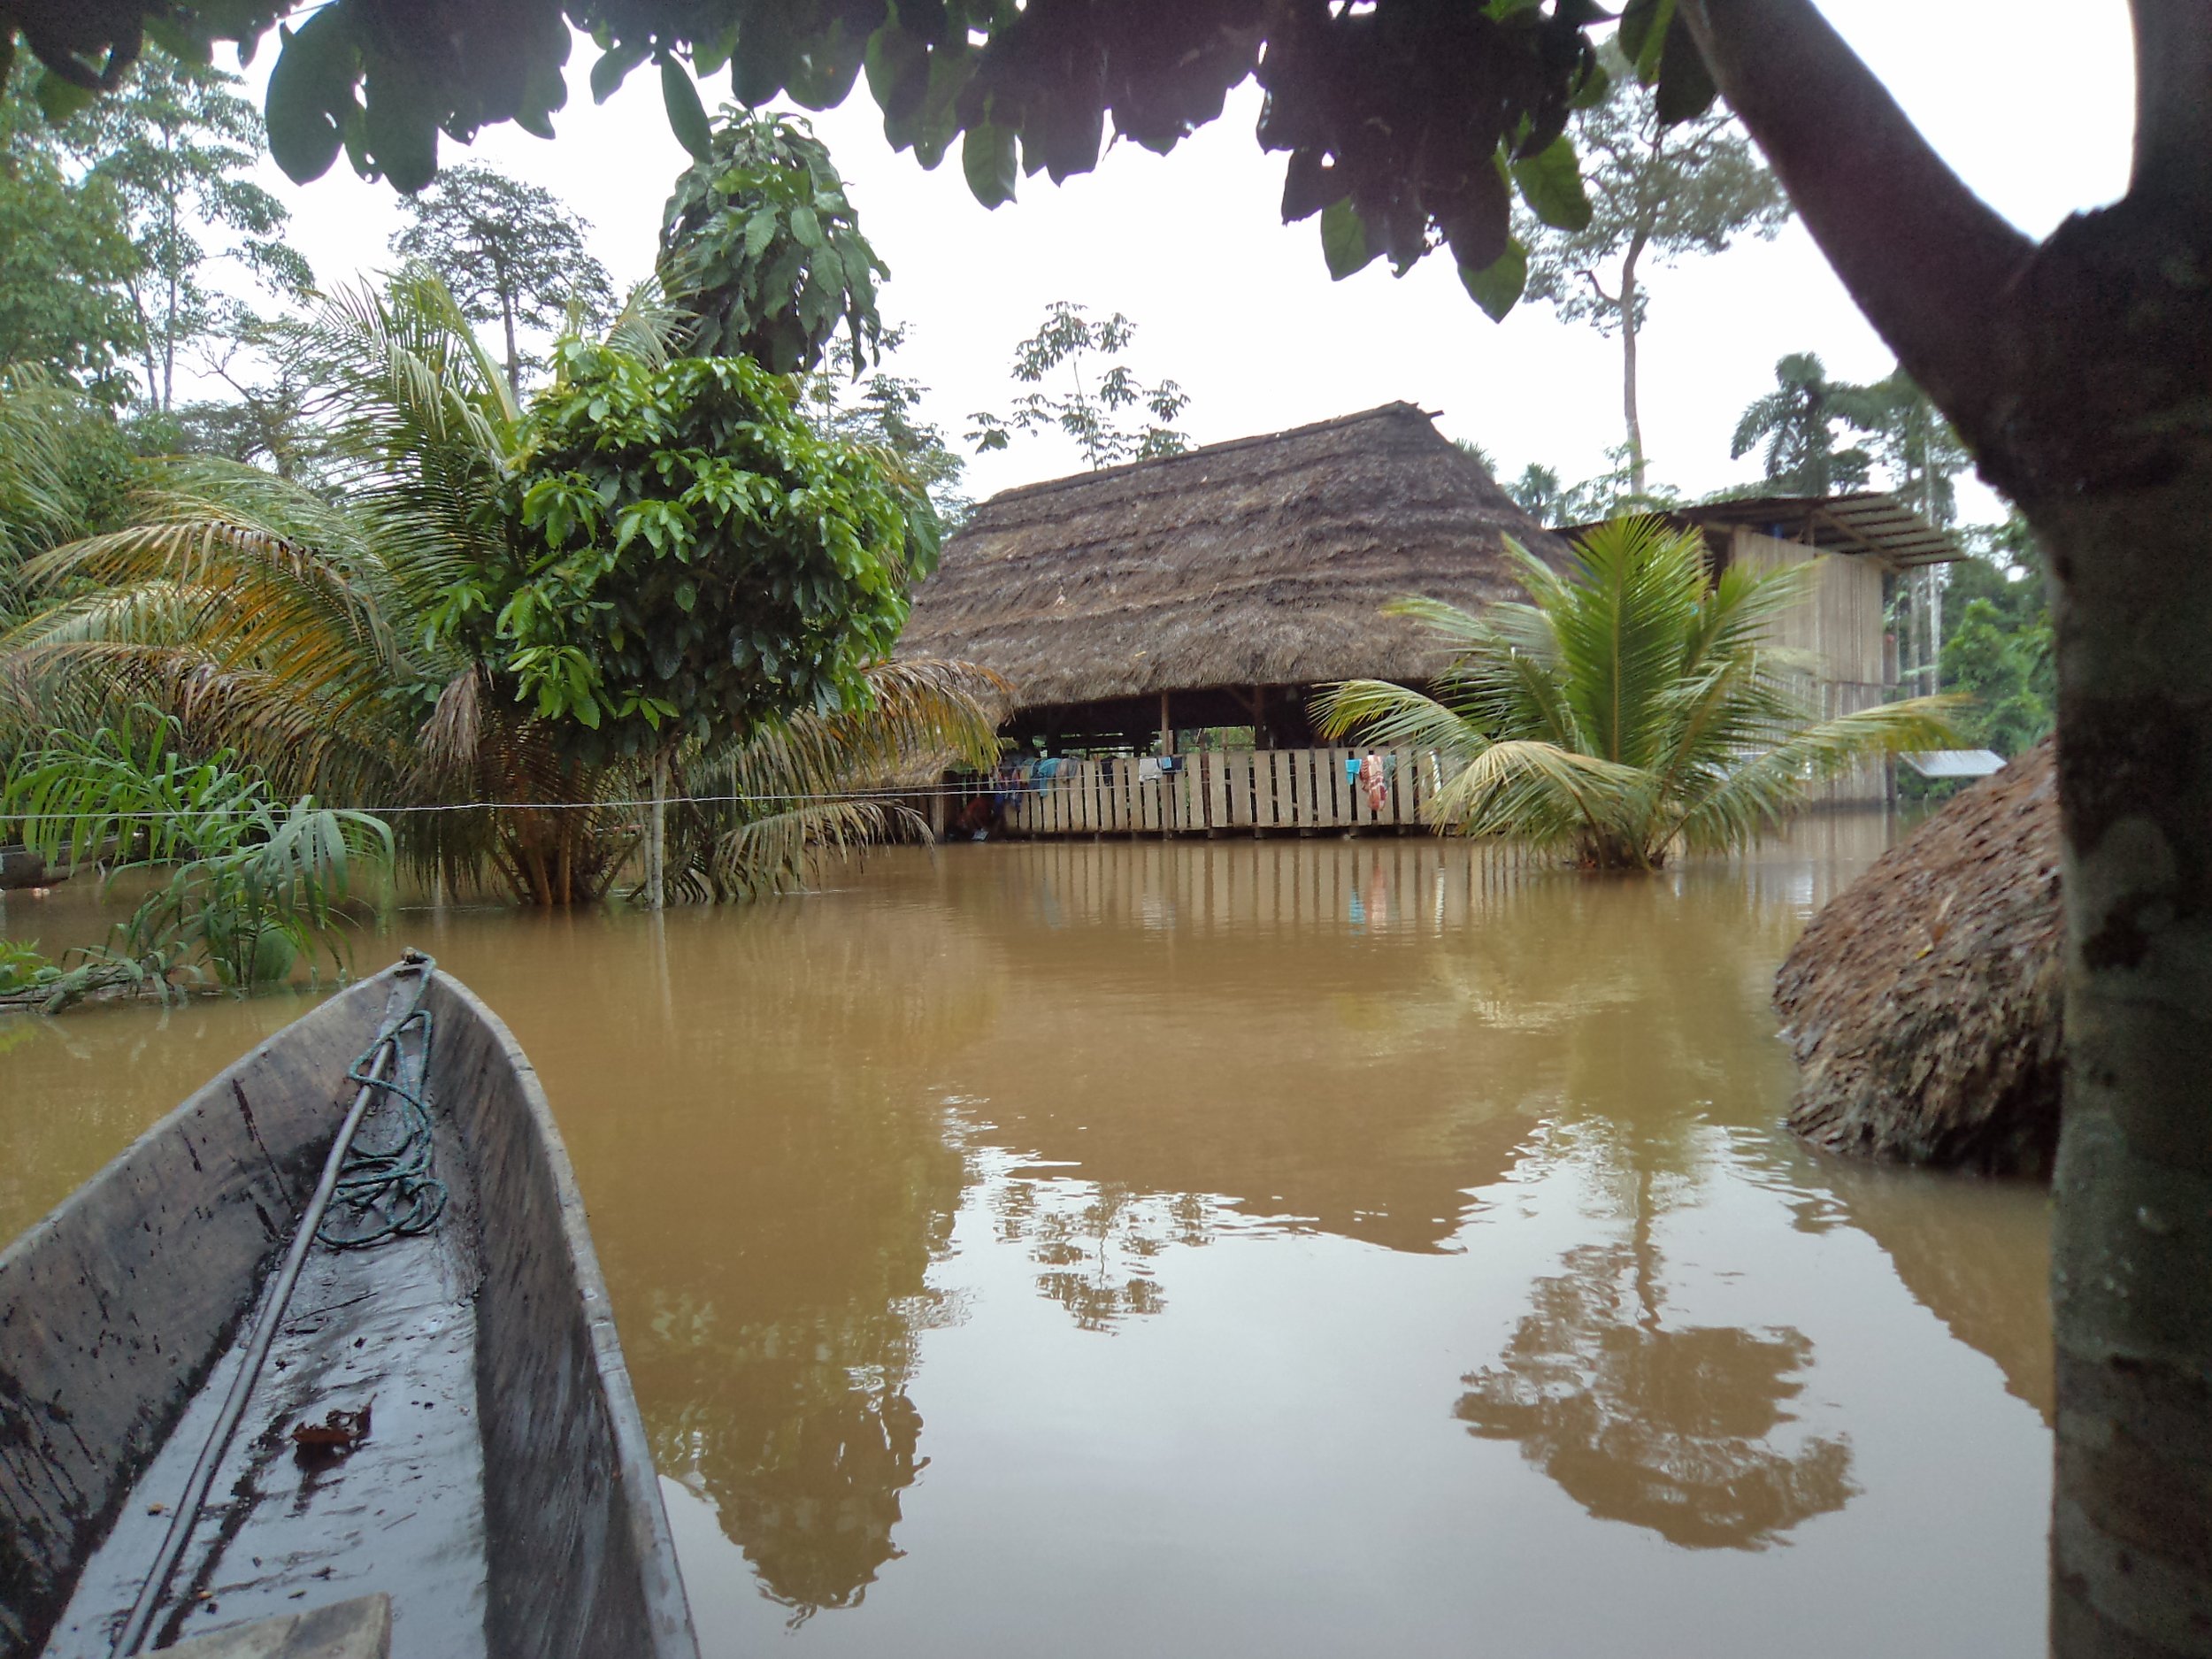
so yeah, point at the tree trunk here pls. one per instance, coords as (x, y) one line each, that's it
(1923, 633)
(656, 836)
(1935, 627)
(146, 343)
(1628, 366)
(169, 322)
(514, 355)
(2132, 1242)
(2106, 444)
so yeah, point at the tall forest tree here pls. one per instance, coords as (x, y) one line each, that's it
(176, 146)
(509, 252)
(65, 257)
(2073, 368)
(1658, 193)
(883, 409)
(1110, 415)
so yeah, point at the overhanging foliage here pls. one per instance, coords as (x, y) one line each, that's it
(1407, 125)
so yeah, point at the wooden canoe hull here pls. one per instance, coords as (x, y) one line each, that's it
(115, 1310)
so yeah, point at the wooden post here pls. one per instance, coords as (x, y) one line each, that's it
(1167, 728)
(937, 812)
(657, 842)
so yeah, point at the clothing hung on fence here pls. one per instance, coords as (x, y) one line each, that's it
(1373, 780)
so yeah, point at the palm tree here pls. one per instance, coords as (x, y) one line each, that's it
(1538, 492)
(1796, 423)
(310, 634)
(53, 443)
(1634, 706)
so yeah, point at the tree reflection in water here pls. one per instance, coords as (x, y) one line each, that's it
(784, 1274)
(1621, 1017)
(1668, 1429)
(1097, 1242)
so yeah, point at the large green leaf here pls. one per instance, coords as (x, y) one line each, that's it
(311, 83)
(614, 65)
(1497, 289)
(760, 230)
(1344, 242)
(1643, 32)
(59, 99)
(1685, 84)
(1551, 184)
(687, 116)
(402, 131)
(986, 155)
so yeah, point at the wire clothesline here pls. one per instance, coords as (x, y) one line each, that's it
(983, 785)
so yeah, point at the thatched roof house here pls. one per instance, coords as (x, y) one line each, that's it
(1924, 1002)
(1231, 579)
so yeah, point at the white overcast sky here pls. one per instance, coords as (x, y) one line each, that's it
(2029, 100)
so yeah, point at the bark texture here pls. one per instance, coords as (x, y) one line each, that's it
(1923, 1004)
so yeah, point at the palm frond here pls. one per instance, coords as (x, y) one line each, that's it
(649, 327)
(1395, 716)
(797, 779)
(1635, 701)
(782, 848)
(1769, 784)
(1545, 794)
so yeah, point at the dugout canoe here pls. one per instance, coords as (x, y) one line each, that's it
(441, 1418)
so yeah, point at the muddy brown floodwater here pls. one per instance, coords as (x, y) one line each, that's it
(1237, 1249)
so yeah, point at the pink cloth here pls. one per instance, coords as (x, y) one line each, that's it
(1372, 779)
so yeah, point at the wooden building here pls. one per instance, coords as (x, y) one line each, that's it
(1217, 588)
(1134, 606)
(1865, 542)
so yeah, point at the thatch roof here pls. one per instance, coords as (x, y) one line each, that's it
(1924, 1002)
(1260, 562)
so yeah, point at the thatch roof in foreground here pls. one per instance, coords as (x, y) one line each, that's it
(1924, 1002)
(1260, 562)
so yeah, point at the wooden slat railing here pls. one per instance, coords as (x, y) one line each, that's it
(1238, 791)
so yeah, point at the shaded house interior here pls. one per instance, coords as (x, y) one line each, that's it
(1135, 607)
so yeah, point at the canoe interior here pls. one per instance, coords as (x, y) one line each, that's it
(505, 1496)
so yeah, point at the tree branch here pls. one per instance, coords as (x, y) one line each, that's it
(2173, 119)
(1924, 257)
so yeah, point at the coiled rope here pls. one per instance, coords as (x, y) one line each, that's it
(385, 1189)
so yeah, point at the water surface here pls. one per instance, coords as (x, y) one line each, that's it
(1299, 1247)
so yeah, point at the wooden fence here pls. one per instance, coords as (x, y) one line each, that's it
(1252, 792)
